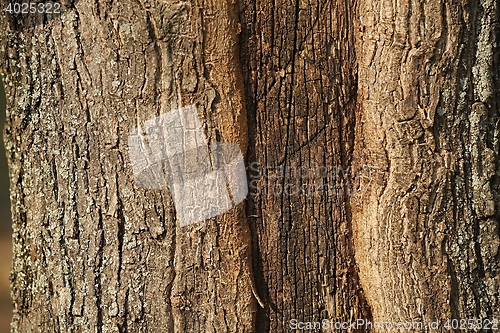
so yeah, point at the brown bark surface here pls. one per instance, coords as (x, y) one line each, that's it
(301, 93)
(427, 231)
(92, 250)
(371, 134)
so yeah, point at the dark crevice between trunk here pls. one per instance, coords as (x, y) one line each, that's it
(346, 121)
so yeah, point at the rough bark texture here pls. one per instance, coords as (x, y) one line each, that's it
(427, 230)
(372, 137)
(301, 90)
(92, 251)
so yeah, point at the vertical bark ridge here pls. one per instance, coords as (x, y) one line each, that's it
(427, 228)
(92, 250)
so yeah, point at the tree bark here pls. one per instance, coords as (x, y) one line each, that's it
(427, 230)
(370, 132)
(301, 94)
(92, 250)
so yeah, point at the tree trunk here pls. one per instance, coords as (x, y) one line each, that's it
(301, 95)
(370, 134)
(427, 230)
(92, 250)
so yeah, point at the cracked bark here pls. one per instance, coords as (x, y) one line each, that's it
(301, 94)
(371, 132)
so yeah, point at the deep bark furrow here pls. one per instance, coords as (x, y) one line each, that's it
(306, 269)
